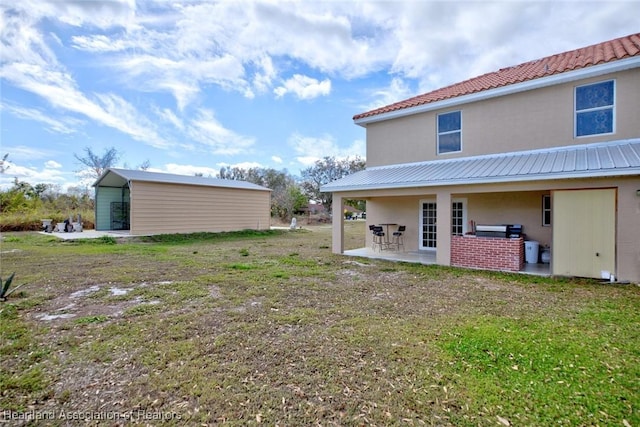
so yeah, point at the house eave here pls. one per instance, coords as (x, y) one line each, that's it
(556, 79)
(488, 180)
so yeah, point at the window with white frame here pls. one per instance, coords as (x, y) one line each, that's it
(450, 132)
(594, 108)
(457, 218)
(546, 210)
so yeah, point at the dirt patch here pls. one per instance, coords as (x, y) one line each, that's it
(80, 304)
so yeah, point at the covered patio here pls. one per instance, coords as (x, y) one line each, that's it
(440, 227)
(429, 258)
(538, 192)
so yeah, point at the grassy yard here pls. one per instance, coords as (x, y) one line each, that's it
(271, 328)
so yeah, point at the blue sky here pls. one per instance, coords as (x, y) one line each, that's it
(192, 86)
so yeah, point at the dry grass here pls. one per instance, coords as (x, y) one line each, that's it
(274, 329)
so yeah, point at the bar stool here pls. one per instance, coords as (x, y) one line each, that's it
(378, 238)
(373, 240)
(398, 237)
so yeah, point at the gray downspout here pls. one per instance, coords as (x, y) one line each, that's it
(95, 208)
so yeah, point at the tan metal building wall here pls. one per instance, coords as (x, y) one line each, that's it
(159, 208)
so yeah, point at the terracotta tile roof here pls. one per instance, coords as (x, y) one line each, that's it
(612, 50)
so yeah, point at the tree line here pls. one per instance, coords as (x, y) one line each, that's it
(290, 194)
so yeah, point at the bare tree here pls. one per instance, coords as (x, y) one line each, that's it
(286, 196)
(4, 164)
(144, 165)
(323, 172)
(98, 164)
(234, 173)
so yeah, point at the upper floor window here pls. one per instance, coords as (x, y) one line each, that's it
(594, 108)
(450, 132)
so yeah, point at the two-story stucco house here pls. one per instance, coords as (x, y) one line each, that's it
(552, 145)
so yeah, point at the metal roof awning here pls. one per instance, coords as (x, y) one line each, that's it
(120, 177)
(617, 158)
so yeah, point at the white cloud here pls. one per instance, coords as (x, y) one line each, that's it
(188, 170)
(59, 89)
(241, 165)
(23, 152)
(170, 47)
(264, 74)
(169, 116)
(310, 149)
(52, 164)
(276, 159)
(99, 43)
(99, 13)
(397, 90)
(304, 87)
(64, 125)
(185, 52)
(207, 130)
(116, 112)
(440, 43)
(29, 64)
(327, 44)
(22, 42)
(49, 174)
(181, 75)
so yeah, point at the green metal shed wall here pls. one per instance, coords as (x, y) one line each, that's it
(104, 197)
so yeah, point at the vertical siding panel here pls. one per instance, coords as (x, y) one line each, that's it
(174, 208)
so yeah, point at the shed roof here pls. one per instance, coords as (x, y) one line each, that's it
(597, 54)
(616, 158)
(114, 177)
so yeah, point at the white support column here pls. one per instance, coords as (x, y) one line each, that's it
(443, 228)
(337, 228)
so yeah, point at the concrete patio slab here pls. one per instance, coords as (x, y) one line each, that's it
(429, 257)
(88, 234)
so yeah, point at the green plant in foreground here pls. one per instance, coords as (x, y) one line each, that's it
(4, 287)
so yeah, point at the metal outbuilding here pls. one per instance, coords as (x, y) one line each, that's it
(145, 203)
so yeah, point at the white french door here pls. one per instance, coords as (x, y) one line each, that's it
(428, 211)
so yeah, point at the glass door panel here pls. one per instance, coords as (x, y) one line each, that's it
(428, 224)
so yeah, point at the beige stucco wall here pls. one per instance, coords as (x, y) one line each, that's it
(628, 230)
(511, 208)
(486, 208)
(398, 210)
(158, 208)
(538, 118)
